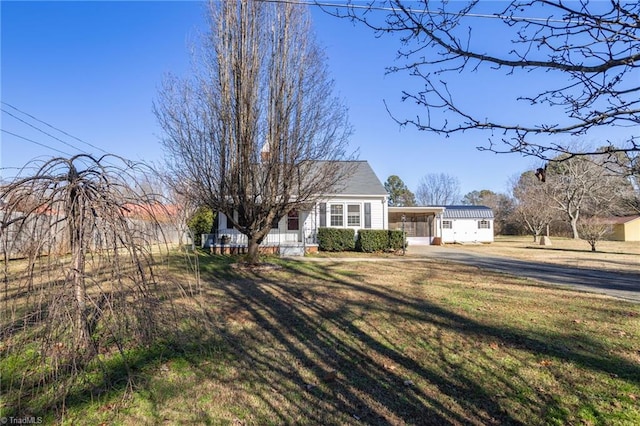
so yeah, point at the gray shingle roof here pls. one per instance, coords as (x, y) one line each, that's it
(467, 212)
(363, 181)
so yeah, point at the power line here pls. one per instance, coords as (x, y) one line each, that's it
(50, 135)
(368, 7)
(51, 126)
(40, 130)
(35, 142)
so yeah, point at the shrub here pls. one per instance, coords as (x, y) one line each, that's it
(373, 240)
(336, 239)
(200, 223)
(396, 239)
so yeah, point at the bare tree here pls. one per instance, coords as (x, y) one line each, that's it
(533, 207)
(593, 229)
(580, 183)
(580, 59)
(256, 131)
(438, 189)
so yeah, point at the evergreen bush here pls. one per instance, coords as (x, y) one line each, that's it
(336, 239)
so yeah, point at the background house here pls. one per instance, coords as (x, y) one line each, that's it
(626, 228)
(358, 203)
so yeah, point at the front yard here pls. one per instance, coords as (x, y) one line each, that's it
(387, 342)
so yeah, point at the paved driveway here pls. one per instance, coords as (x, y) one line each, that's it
(623, 285)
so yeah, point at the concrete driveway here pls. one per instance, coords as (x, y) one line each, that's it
(623, 285)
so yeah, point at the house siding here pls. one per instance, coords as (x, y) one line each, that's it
(362, 187)
(628, 231)
(378, 213)
(466, 230)
(465, 226)
(310, 221)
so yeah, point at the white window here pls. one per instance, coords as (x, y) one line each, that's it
(447, 224)
(484, 224)
(353, 215)
(337, 215)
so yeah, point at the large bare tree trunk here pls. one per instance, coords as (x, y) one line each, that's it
(257, 132)
(253, 250)
(574, 228)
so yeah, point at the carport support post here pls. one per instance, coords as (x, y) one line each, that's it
(404, 238)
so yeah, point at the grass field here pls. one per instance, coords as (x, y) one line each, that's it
(611, 255)
(387, 342)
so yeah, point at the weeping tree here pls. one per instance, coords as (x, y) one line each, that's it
(77, 237)
(255, 131)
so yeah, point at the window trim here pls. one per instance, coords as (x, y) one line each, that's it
(293, 217)
(339, 215)
(352, 215)
(447, 224)
(483, 222)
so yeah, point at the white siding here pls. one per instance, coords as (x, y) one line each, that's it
(466, 231)
(310, 221)
(379, 219)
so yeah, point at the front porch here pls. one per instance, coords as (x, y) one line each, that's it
(230, 246)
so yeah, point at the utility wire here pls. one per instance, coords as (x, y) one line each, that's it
(51, 126)
(41, 131)
(367, 7)
(126, 161)
(35, 142)
(52, 136)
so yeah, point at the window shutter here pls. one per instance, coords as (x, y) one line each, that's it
(367, 215)
(323, 214)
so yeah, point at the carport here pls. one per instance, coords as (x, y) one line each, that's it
(420, 223)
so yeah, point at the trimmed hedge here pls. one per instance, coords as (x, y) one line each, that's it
(374, 240)
(396, 238)
(336, 239)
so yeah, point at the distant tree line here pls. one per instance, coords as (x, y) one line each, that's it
(569, 196)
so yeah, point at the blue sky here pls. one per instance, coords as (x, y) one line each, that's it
(93, 70)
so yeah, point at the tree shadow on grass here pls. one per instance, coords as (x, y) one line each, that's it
(341, 368)
(355, 367)
(309, 344)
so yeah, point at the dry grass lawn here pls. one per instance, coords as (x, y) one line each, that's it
(388, 342)
(611, 255)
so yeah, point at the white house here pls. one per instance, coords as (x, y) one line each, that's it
(359, 203)
(466, 224)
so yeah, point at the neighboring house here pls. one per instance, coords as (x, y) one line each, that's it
(466, 224)
(626, 228)
(359, 203)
